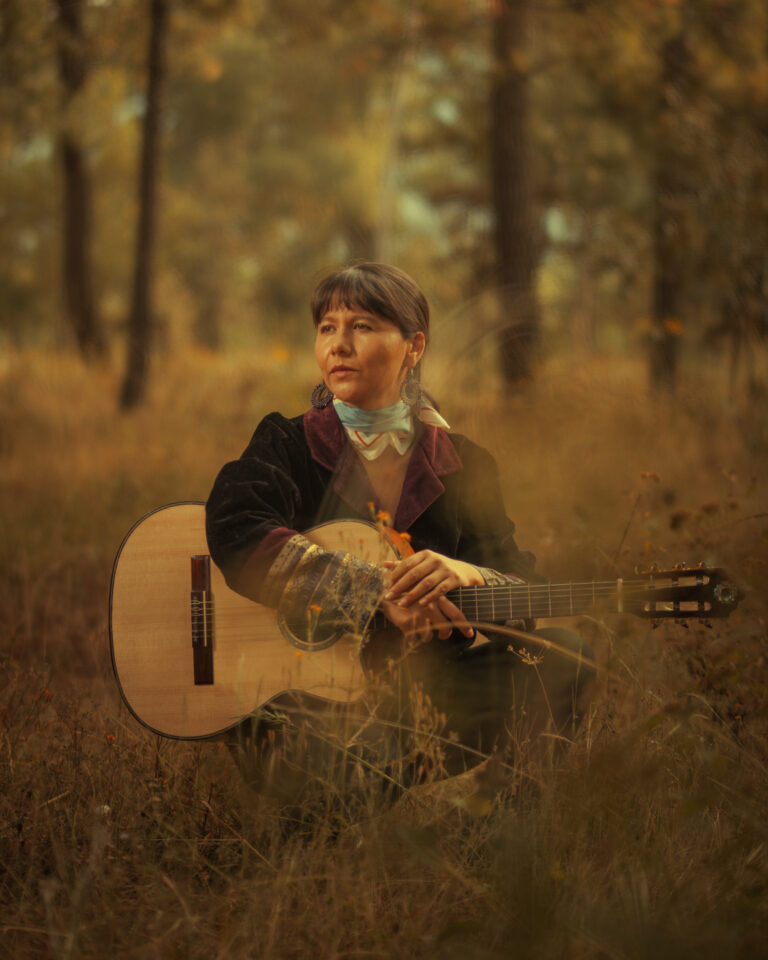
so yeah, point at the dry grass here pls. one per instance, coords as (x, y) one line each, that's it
(647, 839)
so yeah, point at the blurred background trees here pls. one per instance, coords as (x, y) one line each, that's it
(589, 173)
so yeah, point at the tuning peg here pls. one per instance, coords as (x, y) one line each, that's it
(681, 565)
(701, 565)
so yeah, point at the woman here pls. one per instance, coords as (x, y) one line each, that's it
(372, 443)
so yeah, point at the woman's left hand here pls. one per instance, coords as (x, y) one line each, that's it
(425, 577)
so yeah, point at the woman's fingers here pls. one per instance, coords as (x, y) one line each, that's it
(421, 621)
(452, 614)
(413, 578)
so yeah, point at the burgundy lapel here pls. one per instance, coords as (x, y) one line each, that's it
(434, 456)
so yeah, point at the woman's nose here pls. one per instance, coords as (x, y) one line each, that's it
(342, 343)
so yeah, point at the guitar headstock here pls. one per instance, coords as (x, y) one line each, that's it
(684, 593)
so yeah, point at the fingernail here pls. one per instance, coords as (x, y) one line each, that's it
(388, 595)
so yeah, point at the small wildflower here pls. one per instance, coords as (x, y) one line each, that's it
(110, 737)
(406, 536)
(556, 871)
(384, 517)
(298, 654)
(47, 693)
(315, 607)
(674, 326)
(528, 657)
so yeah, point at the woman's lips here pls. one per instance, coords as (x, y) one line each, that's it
(341, 371)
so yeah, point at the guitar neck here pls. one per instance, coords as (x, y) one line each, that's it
(528, 601)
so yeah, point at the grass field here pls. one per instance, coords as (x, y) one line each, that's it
(647, 839)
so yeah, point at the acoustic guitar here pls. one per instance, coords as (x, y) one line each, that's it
(192, 658)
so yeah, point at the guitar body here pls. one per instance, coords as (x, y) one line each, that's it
(192, 658)
(254, 658)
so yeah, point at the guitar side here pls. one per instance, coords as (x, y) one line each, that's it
(151, 638)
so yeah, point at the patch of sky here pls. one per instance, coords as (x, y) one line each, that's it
(416, 212)
(28, 240)
(130, 108)
(560, 227)
(34, 150)
(445, 110)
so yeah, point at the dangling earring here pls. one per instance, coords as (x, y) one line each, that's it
(321, 396)
(410, 389)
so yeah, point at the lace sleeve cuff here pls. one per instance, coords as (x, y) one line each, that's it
(335, 589)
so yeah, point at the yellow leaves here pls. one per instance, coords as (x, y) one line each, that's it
(674, 326)
(281, 354)
(210, 68)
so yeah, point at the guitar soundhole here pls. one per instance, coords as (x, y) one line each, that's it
(305, 634)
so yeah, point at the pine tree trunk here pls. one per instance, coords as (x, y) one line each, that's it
(515, 248)
(77, 271)
(667, 239)
(140, 321)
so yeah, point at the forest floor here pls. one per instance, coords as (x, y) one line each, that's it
(646, 838)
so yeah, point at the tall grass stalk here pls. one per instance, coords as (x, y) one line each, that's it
(647, 837)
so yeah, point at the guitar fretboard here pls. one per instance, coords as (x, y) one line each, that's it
(494, 604)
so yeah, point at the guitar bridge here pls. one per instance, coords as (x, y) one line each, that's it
(201, 609)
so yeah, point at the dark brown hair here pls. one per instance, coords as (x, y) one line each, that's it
(376, 288)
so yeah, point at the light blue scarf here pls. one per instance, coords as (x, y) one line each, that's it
(372, 431)
(396, 417)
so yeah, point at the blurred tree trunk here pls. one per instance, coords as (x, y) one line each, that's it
(77, 270)
(140, 321)
(515, 253)
(668, 189)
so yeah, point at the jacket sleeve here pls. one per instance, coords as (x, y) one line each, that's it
(252, 514)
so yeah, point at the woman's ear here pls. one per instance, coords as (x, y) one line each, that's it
(416, 346)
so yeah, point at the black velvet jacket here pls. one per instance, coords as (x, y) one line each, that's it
(298, 472)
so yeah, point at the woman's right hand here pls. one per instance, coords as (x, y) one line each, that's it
(419, 621)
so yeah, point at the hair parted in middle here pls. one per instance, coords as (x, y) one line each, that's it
(377, 288)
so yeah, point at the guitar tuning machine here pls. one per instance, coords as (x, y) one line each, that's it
(681, 565)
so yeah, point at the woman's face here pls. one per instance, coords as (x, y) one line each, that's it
(364, 358)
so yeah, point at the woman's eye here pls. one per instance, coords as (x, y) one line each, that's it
(325, 328)
(362, 325)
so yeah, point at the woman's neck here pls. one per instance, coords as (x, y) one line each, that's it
(386, 474)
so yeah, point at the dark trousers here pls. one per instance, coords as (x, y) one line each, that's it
(443, 710)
